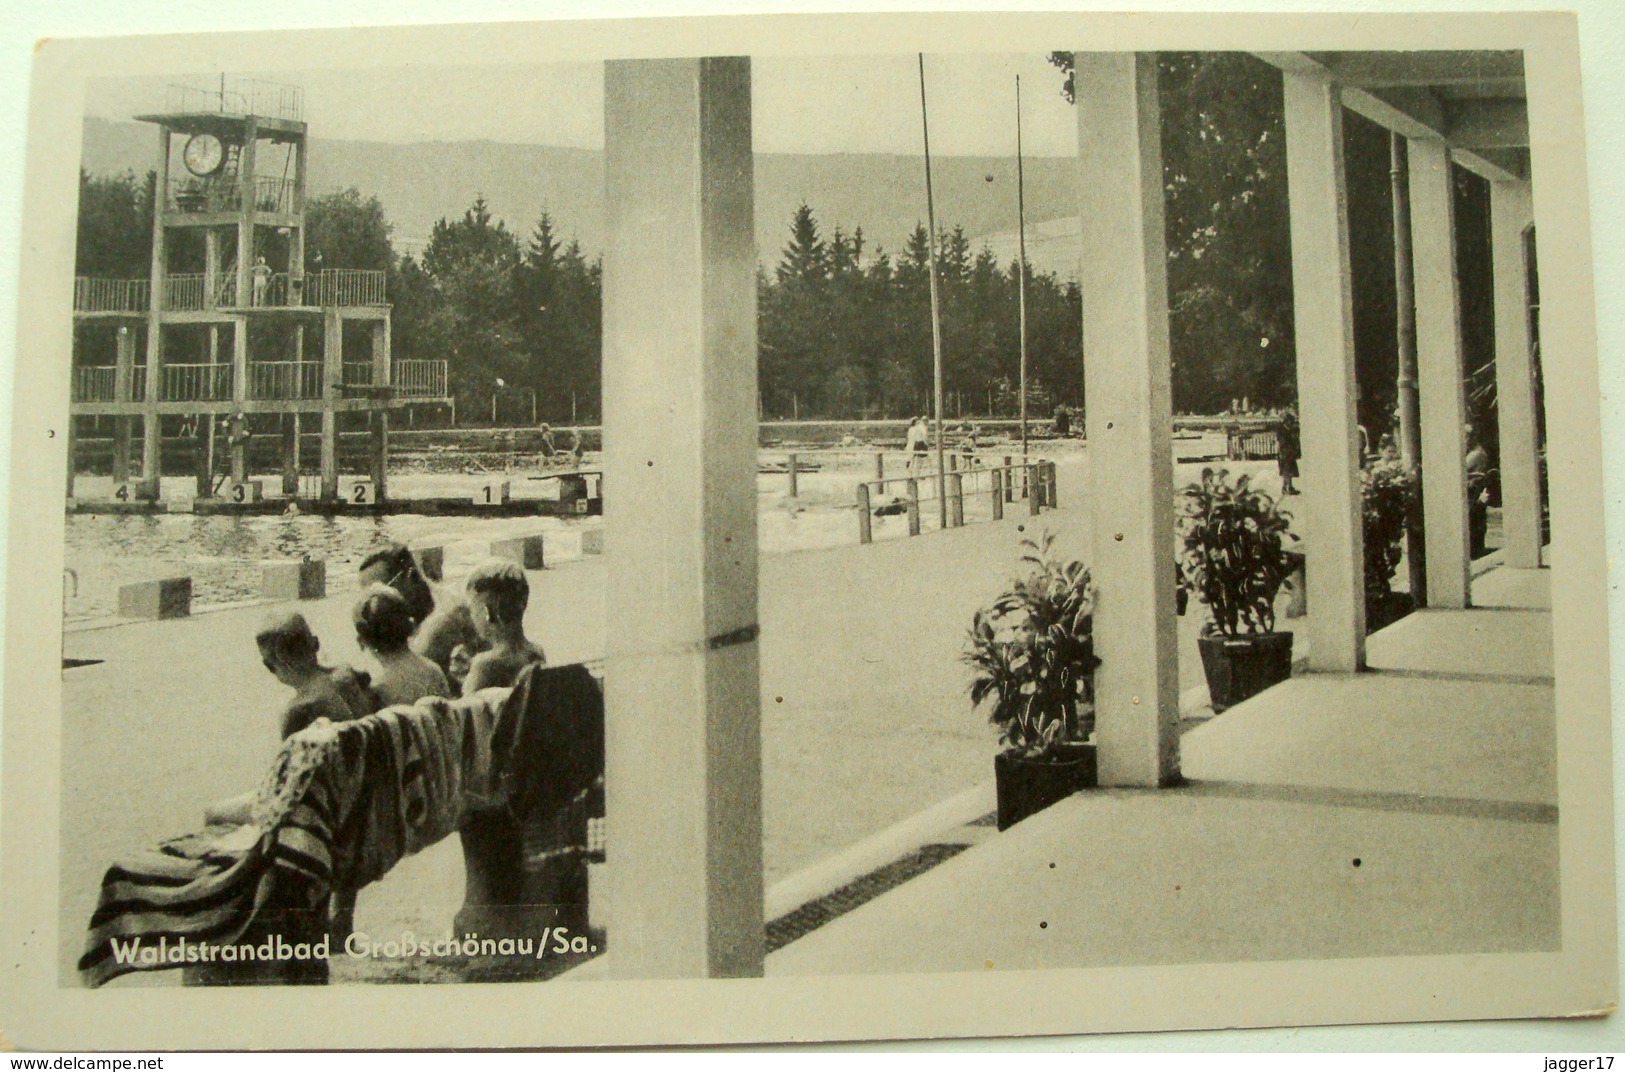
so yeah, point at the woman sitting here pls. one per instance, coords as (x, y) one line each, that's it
(383, 625)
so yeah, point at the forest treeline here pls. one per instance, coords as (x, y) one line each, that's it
(844, 329)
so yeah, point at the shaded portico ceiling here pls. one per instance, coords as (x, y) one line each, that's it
(1473, 101)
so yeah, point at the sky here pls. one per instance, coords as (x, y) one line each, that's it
(803, 104)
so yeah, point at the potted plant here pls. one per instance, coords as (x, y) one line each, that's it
(1033, 653)
(1234, 561)
(1388, 493)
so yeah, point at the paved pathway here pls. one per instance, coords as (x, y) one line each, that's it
(1411, 810)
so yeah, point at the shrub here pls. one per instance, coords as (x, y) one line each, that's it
(1389, 498)
(1033, 652)
(1233, 559)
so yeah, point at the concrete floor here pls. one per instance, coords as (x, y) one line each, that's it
(1409, 811)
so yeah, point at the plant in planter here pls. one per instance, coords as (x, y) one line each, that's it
(1235, 562)
(1033, 653)
(1388, 493)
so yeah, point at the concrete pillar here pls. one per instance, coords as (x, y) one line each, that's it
(239, 393)
(1511, 211)
(290, 454)
(1130, 419)
(379, 424)
(683, 735)
(211, 268)
(151, 427)
(380, 353)
(1441, 385)
(296, 245)
(245, 219)
(332, 371)
(1323, 317)
(71, 445)
(123, 373)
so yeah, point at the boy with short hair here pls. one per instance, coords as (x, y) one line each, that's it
(498, 594)
(288, 649)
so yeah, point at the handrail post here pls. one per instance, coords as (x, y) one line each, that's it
(1029, 481)
(913, 506)
(998, 494)
(865, 523)
(793, 489)
(1050, 485)
(956, 500)
(1010, 480)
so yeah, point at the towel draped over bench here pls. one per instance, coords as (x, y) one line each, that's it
(342, 804)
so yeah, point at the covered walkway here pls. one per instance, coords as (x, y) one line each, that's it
(1409, 810)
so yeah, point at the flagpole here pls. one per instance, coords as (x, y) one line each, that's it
(936, 316)
(1021, 285)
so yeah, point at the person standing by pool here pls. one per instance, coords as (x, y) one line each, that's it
(262, 280)
(383, 626)
(1289, 449)
(918, 440)
(550, 452)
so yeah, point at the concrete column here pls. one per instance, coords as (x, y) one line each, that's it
(380, 353)
(1330, 511)
(290, 454)
(71, 434)
(1130, 423)
(211, 268)
(680, 403)
(296, 247)
(151, 427)
(378, 422)
(332, 371)
(239, 393)
(1511, 211)
(123, 368)
(1441, 385)
(245, 219)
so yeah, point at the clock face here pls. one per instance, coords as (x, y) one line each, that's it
(203, 154)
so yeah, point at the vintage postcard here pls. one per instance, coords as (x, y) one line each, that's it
(805, 528)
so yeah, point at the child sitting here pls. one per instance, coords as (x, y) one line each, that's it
(498, 594)
(383, 625)
(288, 649)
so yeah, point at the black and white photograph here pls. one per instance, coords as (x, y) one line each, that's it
(927, 532)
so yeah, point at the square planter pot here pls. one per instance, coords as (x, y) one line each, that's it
(1240, 667)
(1028, 786)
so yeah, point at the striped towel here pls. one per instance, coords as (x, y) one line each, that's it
(342, 804)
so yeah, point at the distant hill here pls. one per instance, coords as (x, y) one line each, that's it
(420, 183)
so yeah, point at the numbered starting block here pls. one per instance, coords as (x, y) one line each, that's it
(492, 493)
(357, 492)
(246, 491)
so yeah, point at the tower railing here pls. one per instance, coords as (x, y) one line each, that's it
(419, 378)
(185, 292)
(94, 383)
(345, 287)
(196, 383)
(93, 295)
(225, 194)
(357, 374)
(239, 96)
(285, 380)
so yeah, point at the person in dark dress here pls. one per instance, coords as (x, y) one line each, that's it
(1289, 449)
